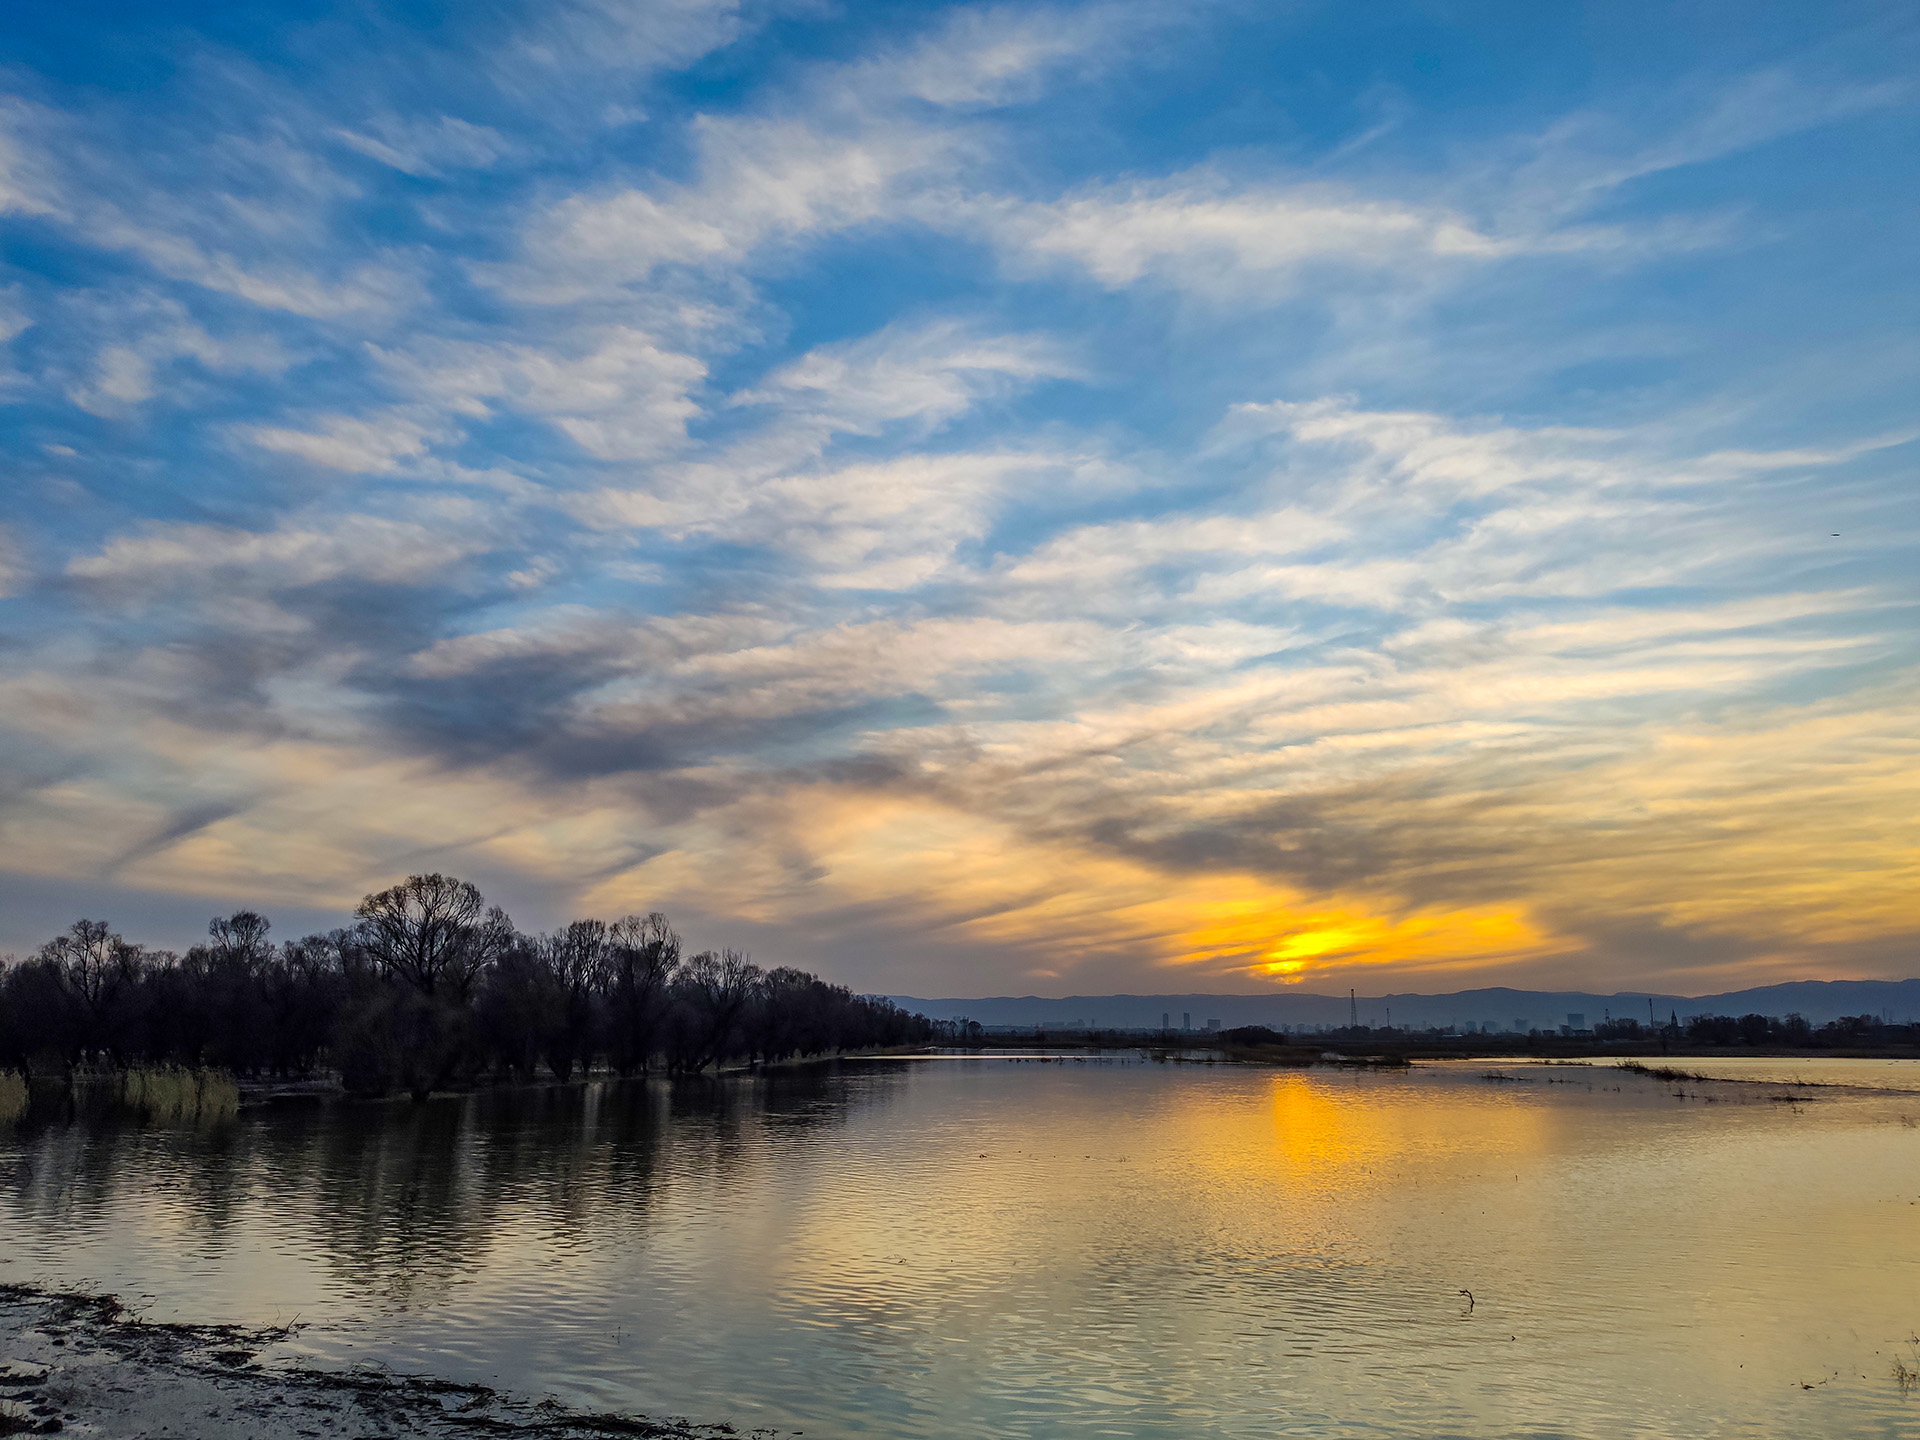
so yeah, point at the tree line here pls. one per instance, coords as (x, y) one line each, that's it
(1796, 1031)
(429, 987)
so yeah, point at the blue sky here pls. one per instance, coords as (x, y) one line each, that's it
(970, 498)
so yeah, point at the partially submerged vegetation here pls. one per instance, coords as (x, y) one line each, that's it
(166, 1093)
(1660, 1072)
(1906, 1368)
(429, 988)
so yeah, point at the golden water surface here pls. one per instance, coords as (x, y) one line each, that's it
(1090, 1247)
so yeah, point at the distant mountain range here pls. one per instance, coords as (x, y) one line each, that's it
(1497, 1007)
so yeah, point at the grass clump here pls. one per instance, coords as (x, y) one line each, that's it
(175, 1094)
(164, 1094)
(1905, 1375)
(1660, 1072)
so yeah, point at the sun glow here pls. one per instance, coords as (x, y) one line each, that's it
(976, 881)
(1271, 934)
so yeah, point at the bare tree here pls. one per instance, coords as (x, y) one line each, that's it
(105, 974)
(433, 932)
(576, 959)
(641, 959)
(241, 938)
(717, 987)
(94, 962)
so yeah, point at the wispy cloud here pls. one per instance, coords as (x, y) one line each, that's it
(423, 147)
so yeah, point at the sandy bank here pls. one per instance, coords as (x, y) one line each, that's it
(84, 1366)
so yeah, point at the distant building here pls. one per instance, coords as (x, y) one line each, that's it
(1212, 1025)
(1576, 1020)
(1186, 1020)
(1166, 1020)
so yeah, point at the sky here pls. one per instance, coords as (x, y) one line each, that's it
(975, 499)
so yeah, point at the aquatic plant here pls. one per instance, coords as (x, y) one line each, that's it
(1660, 1072)
(13, 1096)
(169, 1094)
(1907, 1376)
(176, 1094)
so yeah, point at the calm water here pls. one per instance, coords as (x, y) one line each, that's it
(1002, 1248)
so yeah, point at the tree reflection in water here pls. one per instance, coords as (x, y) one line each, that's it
(402, 1199)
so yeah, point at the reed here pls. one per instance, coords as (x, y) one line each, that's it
(167, 1094)
(176, 1094)
(1659, 1072)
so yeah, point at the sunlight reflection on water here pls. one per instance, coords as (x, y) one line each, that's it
(995, 1248)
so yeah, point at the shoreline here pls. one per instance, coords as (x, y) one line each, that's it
(20, 1095)
(85, 1364)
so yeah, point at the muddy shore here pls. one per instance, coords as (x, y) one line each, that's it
(83, 1365)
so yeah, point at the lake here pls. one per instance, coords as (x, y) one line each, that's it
(1094, 1246)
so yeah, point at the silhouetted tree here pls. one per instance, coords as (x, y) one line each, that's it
(712, 992)
(103, 973)
(1713, 1030)
(306, 990)
(430, 985)
(642, 959)
(518, 1007)
(434, 932)
(241, 939)
(430, 937)
(576, 960)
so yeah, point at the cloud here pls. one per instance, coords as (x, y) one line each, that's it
(848, 147)
(14, 318)
(990, 56)
(219, 559)
(887, 524)
(15, 567)
(370, 289)
(762, 182)
(620, 395)
(153, 333)
(928, 375)
(421, 147)
(591, 35)
(25, 186)
(1226, 238)
(1583, 157)
(349, 443)
(1201, 233)
(231, 233)
(890, 525)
